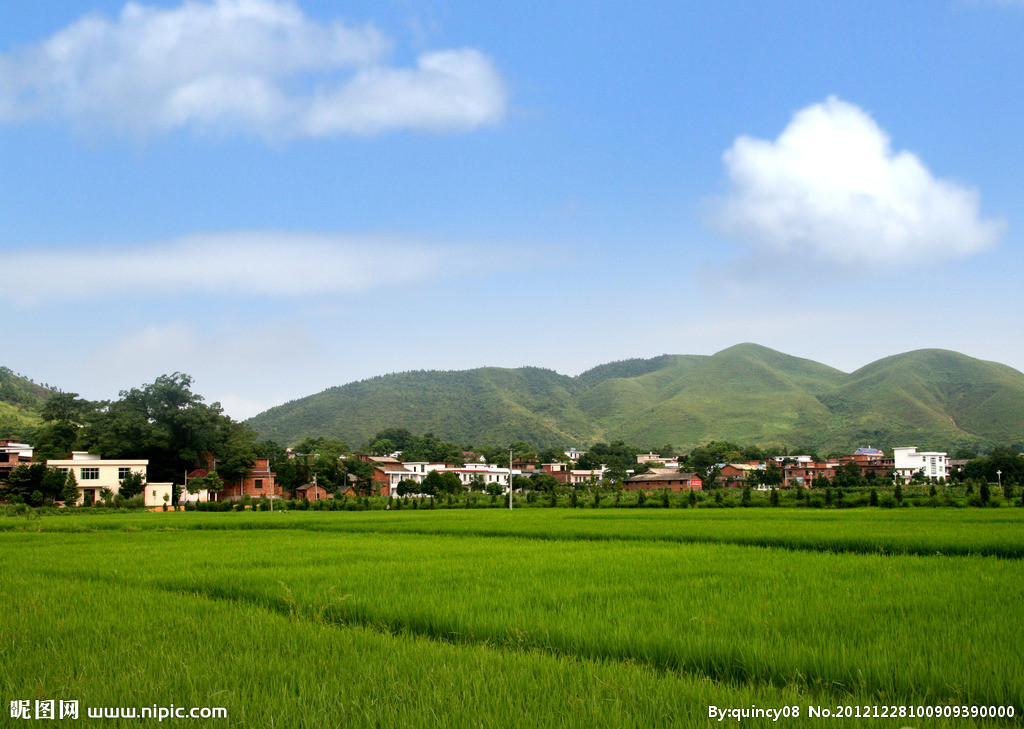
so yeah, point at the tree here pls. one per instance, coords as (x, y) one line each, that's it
(28, 479)
(70, 493)
(211, 483)
(1001, 463)
(359, 474)
(381, 447)
(168, 424)
(131, 485)
(704, 462)
(407, 486)
(433, 483)
(820, 482)
(772, 476)
(63, 415)
(848, 476)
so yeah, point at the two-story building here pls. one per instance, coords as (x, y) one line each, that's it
(907, 462)
(96, 475)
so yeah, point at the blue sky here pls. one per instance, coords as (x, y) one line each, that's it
(277, 197)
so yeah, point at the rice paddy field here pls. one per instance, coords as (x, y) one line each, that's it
(535, 617)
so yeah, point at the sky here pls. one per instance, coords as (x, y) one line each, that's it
(278, 197)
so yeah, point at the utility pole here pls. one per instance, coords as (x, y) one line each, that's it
(510, 479)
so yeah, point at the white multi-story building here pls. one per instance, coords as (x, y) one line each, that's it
(95, 474)
(907, 461)
(469, 474)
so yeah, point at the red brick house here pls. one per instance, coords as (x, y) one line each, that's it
(260, 481)
(311, 492)
(803, 473)
(667, 478)
(734, 475)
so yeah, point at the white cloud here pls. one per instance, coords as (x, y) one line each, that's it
(242, 369)
(831, 187)
(256, 66)
(259, 265)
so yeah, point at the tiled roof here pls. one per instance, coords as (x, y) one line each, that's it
(662, 476)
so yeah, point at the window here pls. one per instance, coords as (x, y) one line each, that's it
(259, 483)
(123, 473)
(90, 474)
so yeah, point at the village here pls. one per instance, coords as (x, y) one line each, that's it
(97, 478)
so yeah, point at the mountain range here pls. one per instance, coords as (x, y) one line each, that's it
(750, 394)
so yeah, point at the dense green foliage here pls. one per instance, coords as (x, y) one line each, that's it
(490, 618)
(746, 394)
(164, 422)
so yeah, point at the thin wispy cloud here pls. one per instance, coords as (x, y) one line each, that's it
(254, 264)
(241, 66)
(832, 188)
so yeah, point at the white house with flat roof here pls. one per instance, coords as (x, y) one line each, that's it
(94, 474)
(907, 461)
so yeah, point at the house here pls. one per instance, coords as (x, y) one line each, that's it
(871, 461)
(907, 462)
(573, 476)
(574, 454)
(487, 473)
(803, 473)
(13, 454)
(95, 475)
(382, 465)
(258, 482)
(664, 478)
(734, 475)
(311, 492)
(470, 474)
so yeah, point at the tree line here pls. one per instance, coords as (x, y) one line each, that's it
(177, 431)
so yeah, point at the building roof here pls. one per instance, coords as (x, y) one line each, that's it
(662, 474)
(869, 451)
(307, 486)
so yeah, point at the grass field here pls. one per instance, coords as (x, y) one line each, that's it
(531, 618)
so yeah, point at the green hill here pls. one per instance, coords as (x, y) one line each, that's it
(747, 393)
(20, 403)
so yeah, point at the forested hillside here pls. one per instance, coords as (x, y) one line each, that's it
(20, 403)
(747, 393)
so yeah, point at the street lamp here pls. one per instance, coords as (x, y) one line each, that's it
(999, 475)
